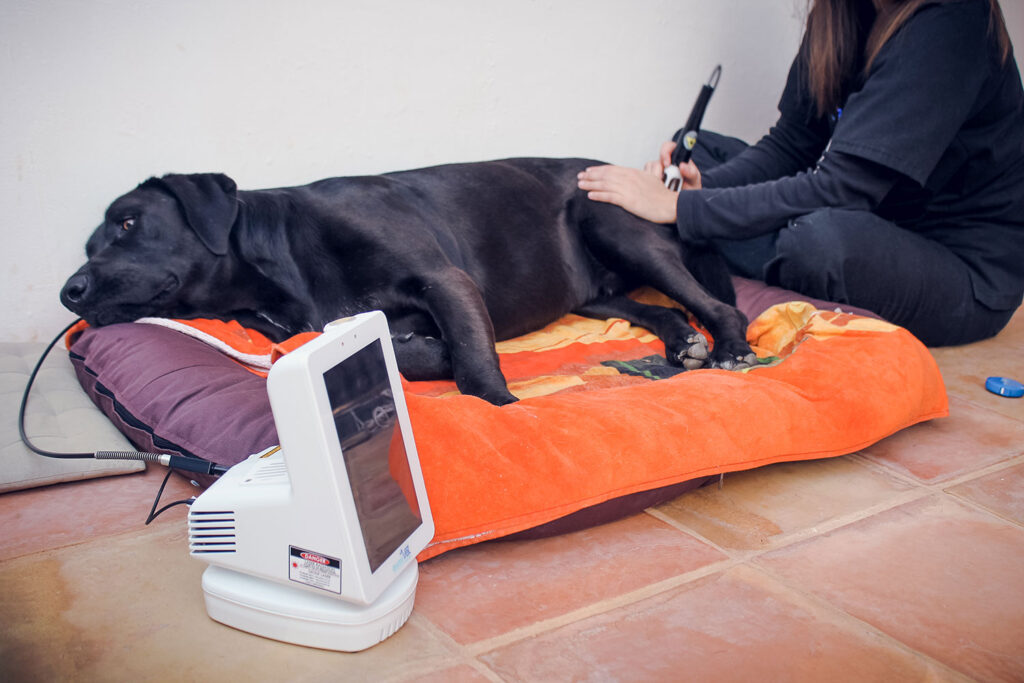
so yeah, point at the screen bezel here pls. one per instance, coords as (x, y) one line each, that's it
(310, 425)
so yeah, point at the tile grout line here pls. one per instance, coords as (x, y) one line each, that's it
(945, 487)
(845, 617)
(679, 526)
(1012, 461)
(461, 654)
(988, 512)
(483, 669)
(825, 527)
(882, 468)
(543, 626)
(907, 478)
(918, 490)
(105, 538)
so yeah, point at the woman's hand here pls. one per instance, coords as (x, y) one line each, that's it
(640, 192)
(689, 170)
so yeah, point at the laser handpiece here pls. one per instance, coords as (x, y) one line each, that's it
(686, 138)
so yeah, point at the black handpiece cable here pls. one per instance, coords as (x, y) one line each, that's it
(686, 138)
(167, 460)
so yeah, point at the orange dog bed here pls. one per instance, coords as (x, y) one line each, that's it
(583, 432)
(580, 435)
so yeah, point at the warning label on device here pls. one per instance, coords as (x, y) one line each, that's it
(314, 569)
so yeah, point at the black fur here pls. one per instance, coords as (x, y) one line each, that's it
(456, 256)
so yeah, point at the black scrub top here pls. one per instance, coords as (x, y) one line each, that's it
(941, 110)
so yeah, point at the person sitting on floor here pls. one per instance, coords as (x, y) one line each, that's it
(892, 181)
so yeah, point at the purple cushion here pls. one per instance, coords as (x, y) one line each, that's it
(170, 393)
(754, 298)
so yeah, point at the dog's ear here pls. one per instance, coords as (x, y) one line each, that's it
(210, 204)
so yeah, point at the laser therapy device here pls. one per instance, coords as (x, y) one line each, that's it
(315, 541)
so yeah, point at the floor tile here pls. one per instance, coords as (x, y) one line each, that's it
(760, 508)
(940, 577)
(489, 589)
(965, 368)
(972, 437)
(1001, 492)
(63, 514)
(736, 626)
(969, 385)
(130, 608)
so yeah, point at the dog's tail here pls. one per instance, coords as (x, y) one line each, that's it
(707, 265)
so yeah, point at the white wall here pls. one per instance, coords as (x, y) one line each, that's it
(96, 96)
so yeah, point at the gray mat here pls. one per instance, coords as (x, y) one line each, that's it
(60, 418)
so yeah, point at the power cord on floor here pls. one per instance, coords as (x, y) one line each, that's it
(153, 512)
(179, 462)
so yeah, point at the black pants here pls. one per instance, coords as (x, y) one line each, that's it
(860, 259)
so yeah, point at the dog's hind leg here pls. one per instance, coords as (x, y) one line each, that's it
(683, 344)
(454, 301)
(648, 253)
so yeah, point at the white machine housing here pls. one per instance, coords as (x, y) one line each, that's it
(339, 511)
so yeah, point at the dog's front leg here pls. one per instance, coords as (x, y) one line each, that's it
(458, 309)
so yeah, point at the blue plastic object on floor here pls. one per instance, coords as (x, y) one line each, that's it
(1004, 386)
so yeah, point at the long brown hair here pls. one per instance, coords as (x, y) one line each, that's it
(844, 33)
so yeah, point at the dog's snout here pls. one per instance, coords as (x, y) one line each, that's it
(76, 288)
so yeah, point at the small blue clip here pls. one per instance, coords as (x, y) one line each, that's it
(1004, 386)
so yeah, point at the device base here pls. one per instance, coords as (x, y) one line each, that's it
(295, 615)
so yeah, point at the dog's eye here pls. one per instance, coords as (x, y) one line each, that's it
(128, 224)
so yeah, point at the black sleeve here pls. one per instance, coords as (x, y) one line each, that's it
(792, 145)
(840, 181)
(787, 149)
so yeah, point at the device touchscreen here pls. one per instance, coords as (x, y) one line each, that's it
(374, 452)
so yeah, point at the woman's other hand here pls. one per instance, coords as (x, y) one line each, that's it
(691, 176)
(689, 170)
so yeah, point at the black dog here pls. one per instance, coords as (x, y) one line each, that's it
(456, 256)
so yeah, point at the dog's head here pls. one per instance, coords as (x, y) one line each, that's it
(157, 250)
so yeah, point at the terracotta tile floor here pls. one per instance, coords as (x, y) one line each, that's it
(904, 562)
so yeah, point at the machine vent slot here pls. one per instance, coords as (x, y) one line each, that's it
(268, 473)
(211, 532)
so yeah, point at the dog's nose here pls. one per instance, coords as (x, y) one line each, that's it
(76, 288)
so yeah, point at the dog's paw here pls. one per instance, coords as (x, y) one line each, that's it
(694, 353)
(736, 363)
(739, 358)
